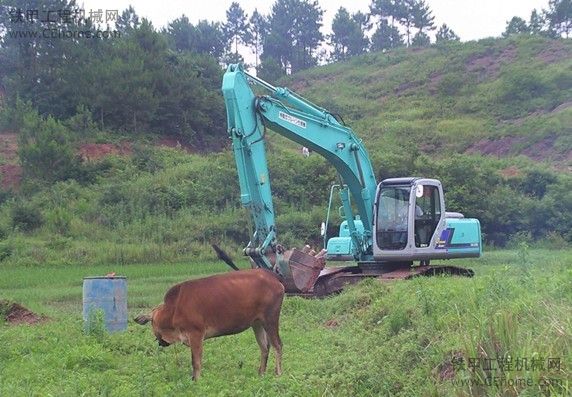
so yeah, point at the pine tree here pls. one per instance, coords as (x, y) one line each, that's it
(445, 34)
(559, 17)
(348, 38)
(237, 28)
(294, 34)
(181, 34)
(516, 25)
(536, 22)
(386, 37)
(258, 31)
(422, 19)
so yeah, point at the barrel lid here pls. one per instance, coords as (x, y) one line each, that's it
(104, 277)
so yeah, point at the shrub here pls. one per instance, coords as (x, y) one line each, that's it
(26, 217)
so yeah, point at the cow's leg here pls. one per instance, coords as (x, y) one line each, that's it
(271, 327)
(195, 341)
(262, 340)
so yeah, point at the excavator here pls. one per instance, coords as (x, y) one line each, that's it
(390, 230)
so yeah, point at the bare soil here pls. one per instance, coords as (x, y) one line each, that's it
(555, 52)
(542, 150)
(96, 151)
(15, 314)
(488, 65)
(177, 143)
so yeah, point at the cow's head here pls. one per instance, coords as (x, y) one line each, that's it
(155, 319)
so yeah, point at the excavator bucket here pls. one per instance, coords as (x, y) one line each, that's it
(301, 268)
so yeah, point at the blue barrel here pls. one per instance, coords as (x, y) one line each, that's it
(108, 294)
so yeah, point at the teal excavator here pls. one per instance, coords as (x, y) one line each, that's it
(391, 230)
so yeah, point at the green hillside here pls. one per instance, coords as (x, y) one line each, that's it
(500, 97)
(490, 119)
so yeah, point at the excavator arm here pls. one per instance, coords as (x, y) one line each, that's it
(309, 125)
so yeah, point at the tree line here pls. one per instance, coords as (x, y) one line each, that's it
(155, 80)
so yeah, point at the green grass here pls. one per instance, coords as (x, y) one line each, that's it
(394, 339)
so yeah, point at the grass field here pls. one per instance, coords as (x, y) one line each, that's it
(432, 336)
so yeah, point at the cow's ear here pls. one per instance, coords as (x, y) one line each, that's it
(142, 319)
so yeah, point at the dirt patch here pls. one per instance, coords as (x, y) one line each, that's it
(498, 147)
(333, 323)
(510, 172)
(406, 87)
(9, 146)
(15, 314)
(446, 370)
(11, 176)
(96, 151)
(435, 79)
(543, 150)
(561, 107)
(488, 65)
(177, 143)
(555, 52)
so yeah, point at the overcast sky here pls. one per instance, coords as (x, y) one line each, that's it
(470, 19)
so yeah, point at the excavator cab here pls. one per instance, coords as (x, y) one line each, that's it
(411, 223)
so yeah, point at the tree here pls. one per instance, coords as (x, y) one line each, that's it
(258, 31)
(182, 34)
(387, 10)
(446, 34)
(422, 18)
(294, 34)
(348, 38)
(559, 16)
(127, 21)
(406, 16)
(270, 69)
(516, 25)
(45, 150)
(210, 39)
(421, 39)
(386, 37)
(237, 28)
(536, 23)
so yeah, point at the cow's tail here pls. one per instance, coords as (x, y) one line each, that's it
(224, 256)
(143, 319)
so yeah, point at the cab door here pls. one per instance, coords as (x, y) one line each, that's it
(428, 213)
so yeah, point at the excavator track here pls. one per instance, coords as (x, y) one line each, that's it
(333, 280)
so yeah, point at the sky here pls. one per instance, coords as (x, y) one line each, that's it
(469, 19)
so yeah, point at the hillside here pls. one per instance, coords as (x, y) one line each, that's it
(497, 97)
(492, 120)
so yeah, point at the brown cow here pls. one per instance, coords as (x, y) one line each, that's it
(223, 304)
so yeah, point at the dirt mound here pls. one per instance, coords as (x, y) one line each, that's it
(15, 313)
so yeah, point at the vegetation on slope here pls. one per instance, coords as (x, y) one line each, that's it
(450, 97)
(415, 110)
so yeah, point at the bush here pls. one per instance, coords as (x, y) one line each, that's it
(26, 217)
(45, 151)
